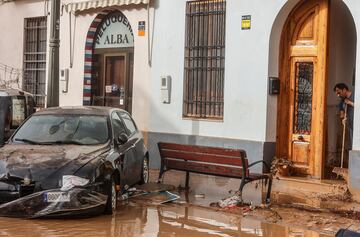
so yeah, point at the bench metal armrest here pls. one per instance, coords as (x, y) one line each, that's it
(260, 161)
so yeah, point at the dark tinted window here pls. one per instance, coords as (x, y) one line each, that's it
(18, 109)
(117, 124)
(129, 123)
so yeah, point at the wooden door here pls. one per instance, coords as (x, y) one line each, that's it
(301, 104)
(115, 81)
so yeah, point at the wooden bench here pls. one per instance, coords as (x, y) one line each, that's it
(225, 162)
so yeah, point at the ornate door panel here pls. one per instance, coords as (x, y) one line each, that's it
(301, 94)
(301, 104)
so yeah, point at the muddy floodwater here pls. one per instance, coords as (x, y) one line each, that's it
(165, 220)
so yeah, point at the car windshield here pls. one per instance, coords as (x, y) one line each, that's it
(63, 129)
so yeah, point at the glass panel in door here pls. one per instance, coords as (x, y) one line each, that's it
(302, 116)
(115, 74)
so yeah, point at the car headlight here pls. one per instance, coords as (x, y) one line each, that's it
(70, 181)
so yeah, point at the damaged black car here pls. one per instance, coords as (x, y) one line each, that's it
(71, 161)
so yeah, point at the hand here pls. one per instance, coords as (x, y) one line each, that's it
(348, 102)
(343, 121)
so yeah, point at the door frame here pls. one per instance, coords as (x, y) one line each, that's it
(126, 52)
(103, 68)
(290, 47)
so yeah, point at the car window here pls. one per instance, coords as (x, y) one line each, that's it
(77, 129)
(117, 124)
(18, 111)
(129, 123)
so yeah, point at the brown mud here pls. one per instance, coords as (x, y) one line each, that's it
(191, 215)
(136, 219)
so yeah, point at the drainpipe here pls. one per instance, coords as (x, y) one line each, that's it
(52, 99)
(148, 35)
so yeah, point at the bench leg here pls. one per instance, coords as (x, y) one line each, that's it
(161, 173)
(187, 180)
(268, 194)
(242, 184)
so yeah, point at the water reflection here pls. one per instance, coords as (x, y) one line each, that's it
(157, 221)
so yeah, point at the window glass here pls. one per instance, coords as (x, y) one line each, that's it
(129, 123)
(204, 59)
(18, 111)
(64, 129)
(117, 124)
(35, 46)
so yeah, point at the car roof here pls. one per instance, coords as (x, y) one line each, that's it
(86, 110)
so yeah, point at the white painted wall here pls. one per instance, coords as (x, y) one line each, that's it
(141, 83)
(12, 17)
(246, 71)
(354, 7)
(273, 68)
(251, 57)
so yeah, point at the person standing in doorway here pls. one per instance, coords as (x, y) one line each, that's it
(346, 105)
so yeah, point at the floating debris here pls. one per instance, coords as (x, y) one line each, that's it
(235, 200)
(199, 195)
(154, 187)
(76, 202)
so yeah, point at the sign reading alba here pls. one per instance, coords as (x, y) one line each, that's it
(114, 32)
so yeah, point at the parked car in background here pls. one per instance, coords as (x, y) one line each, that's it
(99, 145)
(15, 107)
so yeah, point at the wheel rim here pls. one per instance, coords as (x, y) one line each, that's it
(145, 171)
(113, 197)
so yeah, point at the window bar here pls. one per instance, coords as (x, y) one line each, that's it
(204, 60)
(35, 57)
(198, 73)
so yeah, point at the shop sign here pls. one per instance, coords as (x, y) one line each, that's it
(114, 32)
(246, 22)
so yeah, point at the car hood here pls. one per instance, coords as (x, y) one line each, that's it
(41, 162)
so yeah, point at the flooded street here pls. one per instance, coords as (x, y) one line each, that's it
(163, 220)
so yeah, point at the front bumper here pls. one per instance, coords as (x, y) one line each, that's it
(81, 202)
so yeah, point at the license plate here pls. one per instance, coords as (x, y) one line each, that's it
(56, 197)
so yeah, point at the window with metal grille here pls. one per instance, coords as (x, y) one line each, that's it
(204, 59)
(35, 58)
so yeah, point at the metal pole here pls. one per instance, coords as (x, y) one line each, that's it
(52, 99)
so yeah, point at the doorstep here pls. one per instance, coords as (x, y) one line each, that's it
(308, 193)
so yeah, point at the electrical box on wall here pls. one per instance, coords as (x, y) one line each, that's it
(274, 86)
(64, 79)
(165, 89)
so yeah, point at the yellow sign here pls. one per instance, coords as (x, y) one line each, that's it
(246, 22)
(141, 28)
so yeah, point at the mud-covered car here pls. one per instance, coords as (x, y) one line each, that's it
(96, 151)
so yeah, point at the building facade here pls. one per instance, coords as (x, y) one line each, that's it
(250, 74)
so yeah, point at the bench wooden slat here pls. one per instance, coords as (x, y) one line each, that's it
(217, 161)
(234, 172)
(201, 157)
(204, 149)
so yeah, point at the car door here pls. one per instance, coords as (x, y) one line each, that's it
(125, 151)
(137, 145)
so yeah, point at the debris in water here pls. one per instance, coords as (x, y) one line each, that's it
(76, 202)
(229, 202)
(200, 195)
(158, 198)
(154, 187)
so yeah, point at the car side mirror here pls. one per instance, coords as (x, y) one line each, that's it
(122, 139)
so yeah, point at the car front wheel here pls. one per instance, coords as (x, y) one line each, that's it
(112, 198)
